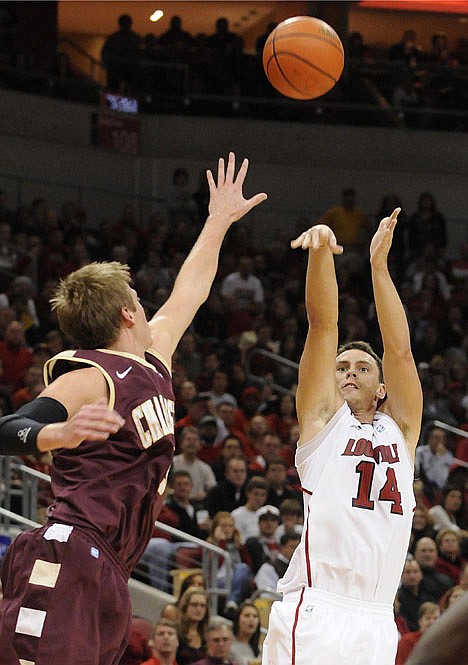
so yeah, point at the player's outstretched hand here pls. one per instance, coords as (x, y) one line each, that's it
(226, 198)
(93, 422)
(316, 237)
(382, 240)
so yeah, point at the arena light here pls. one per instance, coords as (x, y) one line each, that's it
(157, 15)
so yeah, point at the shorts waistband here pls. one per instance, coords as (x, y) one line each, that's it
(94, 538)
(326, 597)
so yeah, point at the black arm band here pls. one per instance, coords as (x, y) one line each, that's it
(18, 432)
(18, 435)
(45, 410)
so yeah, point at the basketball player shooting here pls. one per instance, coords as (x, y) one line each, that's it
(359, 421)
(110, 424)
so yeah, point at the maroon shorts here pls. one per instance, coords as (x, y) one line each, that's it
(65, 600)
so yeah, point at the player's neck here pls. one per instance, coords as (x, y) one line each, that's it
(365, 416)
(127, 344)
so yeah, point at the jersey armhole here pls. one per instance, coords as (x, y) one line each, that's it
(305, 450)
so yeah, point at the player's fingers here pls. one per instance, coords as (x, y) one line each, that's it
(211, 182)
(221, 177)
(255, 200)
(231, 167)
(242, 172)
(395, 214)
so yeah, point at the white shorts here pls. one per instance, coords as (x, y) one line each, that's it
(314, 627)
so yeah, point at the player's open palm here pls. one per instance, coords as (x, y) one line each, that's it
(316, 237)
(226, 198)
(382, 240)
(94, 422)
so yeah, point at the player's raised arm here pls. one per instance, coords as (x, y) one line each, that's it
(404, 394)
(316, 396)
(192, 286)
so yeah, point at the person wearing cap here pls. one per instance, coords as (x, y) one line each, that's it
(202, 476)
(264, 547)
(210, 448)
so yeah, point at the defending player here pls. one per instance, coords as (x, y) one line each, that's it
(65, 595)
(355, 460)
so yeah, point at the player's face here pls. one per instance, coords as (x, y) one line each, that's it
(357, 378)
(142, 325)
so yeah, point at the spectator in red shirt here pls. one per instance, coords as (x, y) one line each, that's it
(428, 613)
(165, 643)
(450, 561)
(15, 355)
(33, 384)
(249, 403)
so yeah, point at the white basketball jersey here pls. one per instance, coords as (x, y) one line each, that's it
(358, 509)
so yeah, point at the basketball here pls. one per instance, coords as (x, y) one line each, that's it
(303, 57)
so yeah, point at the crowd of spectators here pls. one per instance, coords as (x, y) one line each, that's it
(399, 84)
(234, 482)
(409, 78)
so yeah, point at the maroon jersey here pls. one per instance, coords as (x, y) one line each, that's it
(116, 486)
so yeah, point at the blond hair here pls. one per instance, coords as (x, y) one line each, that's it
(88, 303)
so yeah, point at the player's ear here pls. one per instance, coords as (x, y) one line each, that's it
(381, 391)
(128, 317)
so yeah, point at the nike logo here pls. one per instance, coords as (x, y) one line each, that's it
(122, 375)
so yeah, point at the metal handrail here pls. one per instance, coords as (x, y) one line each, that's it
(272, 356)
(30, 479)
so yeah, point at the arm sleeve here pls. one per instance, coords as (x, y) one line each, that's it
(18, 432)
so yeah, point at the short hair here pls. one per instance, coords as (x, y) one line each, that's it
(275, 460)
(217, 624)
(236, 458)
(290, 507)
(164, 622)
(89, 301)
(426, 608)
(180, 473)
(445, 532)
(257, 483)
(366, 347)
(287, 537)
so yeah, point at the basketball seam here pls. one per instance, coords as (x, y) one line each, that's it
(280, 68)
(328, 40)
(306, 62)
(293, 86)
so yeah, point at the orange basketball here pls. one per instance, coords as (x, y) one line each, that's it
(303, 57)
